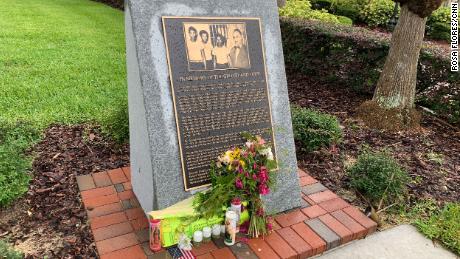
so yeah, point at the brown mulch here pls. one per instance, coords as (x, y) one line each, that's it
(431, 154)
(50, 219)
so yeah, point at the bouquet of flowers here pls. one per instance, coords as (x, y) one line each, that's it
(243, 172)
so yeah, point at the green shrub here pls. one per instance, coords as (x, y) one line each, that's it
(6, 252)
(302, 9)
(117, 124)
(438, 24)
(439, 31)
(322, 4)
(441, 15)
(377, 12)
(345, 20)
(378, 177)
(348, 8)
(443, 226)
(14, 140)
(313, 129)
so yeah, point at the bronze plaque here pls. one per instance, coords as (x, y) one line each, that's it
(219, 88)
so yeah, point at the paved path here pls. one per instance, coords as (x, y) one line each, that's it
(403, 242)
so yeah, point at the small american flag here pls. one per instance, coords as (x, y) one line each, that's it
(178, 253)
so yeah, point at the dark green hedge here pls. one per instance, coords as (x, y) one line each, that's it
(118, 4)
(353, 57)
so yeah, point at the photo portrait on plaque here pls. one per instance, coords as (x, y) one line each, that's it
(216, 46)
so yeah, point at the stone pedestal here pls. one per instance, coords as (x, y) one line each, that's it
(155, 156)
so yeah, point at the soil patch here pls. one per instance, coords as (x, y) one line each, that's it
(50, 219)
(430, 153)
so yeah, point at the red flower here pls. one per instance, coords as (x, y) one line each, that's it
(238, 183)
(263, 189)
(260, 212)
(263, 175)
(269, 226)
(236, 201)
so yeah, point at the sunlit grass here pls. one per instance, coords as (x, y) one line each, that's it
(60, 61)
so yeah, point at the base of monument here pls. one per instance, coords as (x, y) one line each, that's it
(120, 227)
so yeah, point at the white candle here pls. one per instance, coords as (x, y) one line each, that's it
(222, 229)
(198, 236)
(216, 230)
(206, 232)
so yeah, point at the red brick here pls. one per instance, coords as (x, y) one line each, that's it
(314, 211)
(334, 204)
(322, 196)
(135, 213)
(307, 180)
(344, 233)
(277, 243)
(127, 171)
(223, 253)
(126, 195)
(290, 218)
(132, 252)
(85, 182)
(97, 192)
(112, 231)
(127, 186)
(296, 242)
(117, 176)
(108, 220)
(140, 223)
(358, 230)
(275, 225)
(204, 248)
(205, 256)
(317, 244)
(100, 201)
(301, 173)
(104, 210)
(262, 249)
(310, 201)
(366, 222)
(116, 243)
(102, 179)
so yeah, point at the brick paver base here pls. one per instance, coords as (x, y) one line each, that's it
(120, 227)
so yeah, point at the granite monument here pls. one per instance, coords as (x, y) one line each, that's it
(200, 72)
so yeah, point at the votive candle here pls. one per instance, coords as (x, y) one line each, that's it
(198, 236)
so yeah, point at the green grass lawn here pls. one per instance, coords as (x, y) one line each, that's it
(60, 61)
(443, 226)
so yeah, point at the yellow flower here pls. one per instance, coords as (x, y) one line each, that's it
(242, 163)
(236, 154)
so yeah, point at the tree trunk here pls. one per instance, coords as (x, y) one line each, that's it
(396, 85)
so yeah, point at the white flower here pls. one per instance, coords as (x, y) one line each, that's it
(267, 152)
(184, 242)
(225, 158)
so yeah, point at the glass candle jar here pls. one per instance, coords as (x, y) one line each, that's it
(206, 234)
(154, 235)
(197, 238)
(222, 229)
(216, 231)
